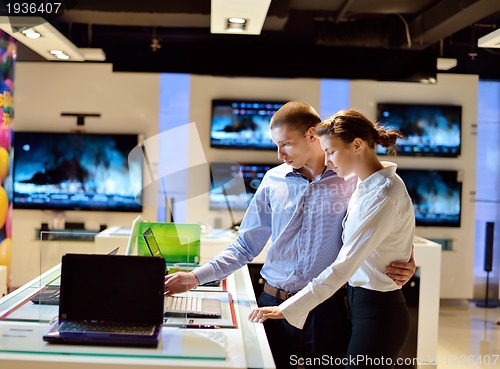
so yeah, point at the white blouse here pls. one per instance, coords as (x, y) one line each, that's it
(378, 229)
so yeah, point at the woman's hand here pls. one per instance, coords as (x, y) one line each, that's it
(402, 272)
(259, 315)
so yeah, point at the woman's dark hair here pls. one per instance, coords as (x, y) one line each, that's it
(349, 124)
(296, 115)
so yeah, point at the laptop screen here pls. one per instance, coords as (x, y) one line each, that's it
(133, 235)
(112, 288)
(151, 243)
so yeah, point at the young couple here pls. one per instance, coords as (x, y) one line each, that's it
(320, 240)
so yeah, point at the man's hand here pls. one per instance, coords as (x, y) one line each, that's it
(401, 272)
(180, 282)
(259, 315)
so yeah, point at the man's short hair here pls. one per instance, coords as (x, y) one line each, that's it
(296, 115)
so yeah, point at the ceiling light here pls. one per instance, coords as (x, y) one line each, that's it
(59, 54)
(31, 33)
(446, 63)
(428, 81)
(490, 40)
(62, 56)
(251, 14)
(236, 24)
(51, 38)
(237, 20)
(234, 30)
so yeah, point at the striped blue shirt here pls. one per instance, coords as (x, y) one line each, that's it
(303, 219)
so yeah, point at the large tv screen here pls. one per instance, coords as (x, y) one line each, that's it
(234, 184)
(429, 130)
(71, 171)
(242, 124)
(436, 196)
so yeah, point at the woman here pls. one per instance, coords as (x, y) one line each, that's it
(378, 228)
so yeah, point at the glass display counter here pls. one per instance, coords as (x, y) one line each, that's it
(23, 323)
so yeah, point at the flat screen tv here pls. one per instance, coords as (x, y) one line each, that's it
(234, 184)
(242, 124)
(436, 196)
(72, 171)
(429, 130)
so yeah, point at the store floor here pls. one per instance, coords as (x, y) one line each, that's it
(468, 337)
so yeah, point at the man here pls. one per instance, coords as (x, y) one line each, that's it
(300, 206)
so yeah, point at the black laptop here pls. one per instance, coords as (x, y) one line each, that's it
(110, 300)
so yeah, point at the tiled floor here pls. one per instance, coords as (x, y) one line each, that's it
(468, 337)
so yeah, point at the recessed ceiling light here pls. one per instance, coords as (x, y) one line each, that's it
(31, 33)
(59, 54)
(236, 24)
(252, 11)
(237, 20)
(428, 81)
(62, 56)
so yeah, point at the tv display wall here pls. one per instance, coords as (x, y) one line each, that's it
(234, 184)
(429, 130)
(71, 171)
(238, 124)
(436, 196)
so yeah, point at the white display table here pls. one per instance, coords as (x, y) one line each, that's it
(428, 261)
(23, 323)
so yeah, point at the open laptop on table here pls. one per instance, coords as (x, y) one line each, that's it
(110, 300)
(189, 306)
(50, 294)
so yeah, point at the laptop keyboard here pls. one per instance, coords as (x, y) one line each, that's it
(76, 327)
(183, 304)
(192, 307)
(48, 296)
(55, 295)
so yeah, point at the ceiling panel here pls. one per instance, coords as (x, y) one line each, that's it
(306, 38)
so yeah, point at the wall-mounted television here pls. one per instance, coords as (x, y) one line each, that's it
(240, 124)
(73, 171)
(436, 196)
(234, 184)
(429, 130)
